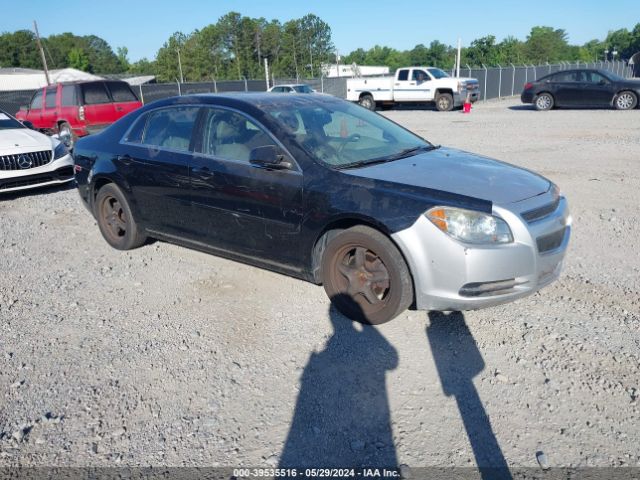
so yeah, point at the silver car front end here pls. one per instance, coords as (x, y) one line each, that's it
(451, 275)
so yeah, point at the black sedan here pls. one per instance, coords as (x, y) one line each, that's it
(582, 88)
(324, 190)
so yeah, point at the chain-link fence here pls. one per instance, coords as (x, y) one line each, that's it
(495, 82)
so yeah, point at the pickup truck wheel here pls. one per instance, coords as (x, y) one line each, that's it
(365, 276)
(115, 219)
(367, 102)
(65, 129)
(444, 102)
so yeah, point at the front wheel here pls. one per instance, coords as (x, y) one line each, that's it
(365, 276)
(626, 101)
(115, 219)
(367, 102)
(444, 102)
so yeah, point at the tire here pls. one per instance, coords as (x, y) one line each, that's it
(444, 102)
(351, 261)
(65, 129)
(625, 101)
(367, 102)
(115, 219)
(544, 102)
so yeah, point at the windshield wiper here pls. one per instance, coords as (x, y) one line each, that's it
(407, 152)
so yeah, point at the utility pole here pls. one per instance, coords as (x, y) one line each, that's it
(180, 66)
(44, 60)
(266, 71)
(458, 59)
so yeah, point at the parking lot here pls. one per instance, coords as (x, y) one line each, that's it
(167, 356)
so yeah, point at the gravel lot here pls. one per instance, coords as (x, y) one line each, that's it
(166, 356)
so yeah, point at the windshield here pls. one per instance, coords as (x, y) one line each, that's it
(437, 73)
(8, 122)
(613, 76)
(342, 135)
(303, 88)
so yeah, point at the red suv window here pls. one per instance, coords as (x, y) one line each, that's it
(120, 92)
(50, 99)
(36, 103)
(95, 93)
(69, 97)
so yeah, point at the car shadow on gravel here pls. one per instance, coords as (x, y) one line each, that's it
(458, 360)
(342, 416)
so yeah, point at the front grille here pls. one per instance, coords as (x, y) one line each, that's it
(61, 174)
(551, 241)
(541, 212)
(25, 161)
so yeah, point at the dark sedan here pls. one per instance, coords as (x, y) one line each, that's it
(324, 190)
(582, 88)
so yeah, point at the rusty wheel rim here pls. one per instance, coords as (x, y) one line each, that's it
(114, 218)
(361, 274)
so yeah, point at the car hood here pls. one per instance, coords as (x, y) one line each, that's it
(20, 139)
(459, 172)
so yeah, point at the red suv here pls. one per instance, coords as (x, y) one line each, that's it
(79, 108)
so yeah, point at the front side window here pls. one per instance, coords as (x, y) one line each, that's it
(303, 89)
(50, 98)
(36, 102)
(95, 93)
(121, 92)
(420, 76)
(171, 128)
(595, 77)
(437, 73)
(231, 136)
(342, 134)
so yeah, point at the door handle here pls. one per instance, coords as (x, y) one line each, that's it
(119, 109)
(125, 159)
(203, 172)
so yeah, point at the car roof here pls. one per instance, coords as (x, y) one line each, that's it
(248, 100)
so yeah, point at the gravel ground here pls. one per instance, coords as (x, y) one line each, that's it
(166, 356)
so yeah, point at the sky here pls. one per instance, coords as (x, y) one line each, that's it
(144, 25)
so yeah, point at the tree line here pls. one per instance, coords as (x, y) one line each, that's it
(236, 47)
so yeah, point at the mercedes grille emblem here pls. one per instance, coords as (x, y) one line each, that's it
(24, 162)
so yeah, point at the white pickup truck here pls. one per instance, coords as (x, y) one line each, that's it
(413, 85)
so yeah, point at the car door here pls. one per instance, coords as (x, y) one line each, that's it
(597, 90)
(563, 87)
(240, 207)
(155, 162)
(98, 107)
(34, 115)
(50, 110)
(412, 85)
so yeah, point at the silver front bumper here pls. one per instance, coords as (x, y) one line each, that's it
(450, 275)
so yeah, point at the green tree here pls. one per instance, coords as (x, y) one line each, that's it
(78, 59)
(544, 44)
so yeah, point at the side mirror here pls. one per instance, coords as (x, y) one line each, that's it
(24, 108)
(602, 82)
(28, 124)
(269, 156)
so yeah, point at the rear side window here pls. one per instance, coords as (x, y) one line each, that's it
(135, 134)
(121, 92)
(69, 97)
(403, 75)
(95, 93)
(50, 98)
(171, 128)
(36, 103)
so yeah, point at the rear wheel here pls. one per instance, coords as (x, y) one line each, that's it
(626, 101)
(365, 276)
(444, 102)
(115, 219)
(544, 102)
(367, 102)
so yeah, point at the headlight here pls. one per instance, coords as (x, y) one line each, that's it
(60, 151)
(469, 226)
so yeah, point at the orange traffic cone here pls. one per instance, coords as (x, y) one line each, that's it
(466, 106)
